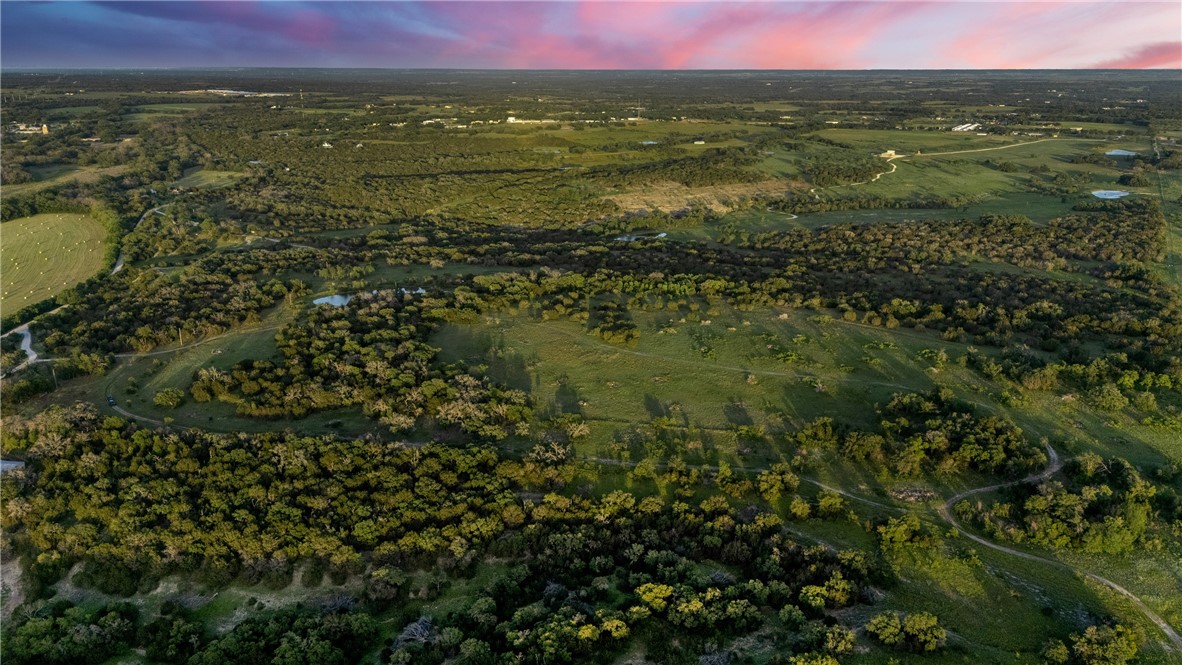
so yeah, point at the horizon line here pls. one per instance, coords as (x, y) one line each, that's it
(581, 69)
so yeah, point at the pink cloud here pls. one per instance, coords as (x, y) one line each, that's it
(1167, 55)
(834, 36)
(309, 27)
(1050, 34)
(607, 34)
(997, 36)
(672, 35)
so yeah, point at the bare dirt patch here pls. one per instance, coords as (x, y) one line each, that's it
(671, 196)
(11, 590)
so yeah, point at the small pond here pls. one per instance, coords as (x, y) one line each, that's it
(1110, 194)
(334, 300)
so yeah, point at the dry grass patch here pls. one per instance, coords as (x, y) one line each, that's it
(670, 196)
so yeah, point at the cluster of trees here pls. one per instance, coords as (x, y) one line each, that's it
(1103, 506)
(934, 432)
(178, 229)
(1109, 383)
(916, 274)
(612, 323)
(14, 207)
(141, 309)
(839, 167)
(374, 354)
(1097, 645)
(1128, 311)
(917, 632)
(247, 504)
(932, 283)
(715, 166)
(919, 434)
(803, 203)
(289, 637)
(1119, 233)
(131, 505)
(60, 632)
(42, 378)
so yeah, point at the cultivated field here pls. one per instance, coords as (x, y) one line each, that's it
(46, 254)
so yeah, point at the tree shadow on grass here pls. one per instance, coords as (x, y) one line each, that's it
(567, 399)
(510, 368)
(737, 414)
(655, 407)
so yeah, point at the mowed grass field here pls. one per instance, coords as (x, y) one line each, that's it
(43, 255)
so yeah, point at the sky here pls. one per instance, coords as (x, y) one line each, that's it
(594, 34)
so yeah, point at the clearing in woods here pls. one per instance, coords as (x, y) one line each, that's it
(43, 255)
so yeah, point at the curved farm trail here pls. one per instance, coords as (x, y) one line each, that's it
(1054, 464)
(119, 261)
(999, 147)
(27, 344)
(124, 412)
(945, 511)
(890, 160)
(894, 167)
(129, 414)
(204, 340)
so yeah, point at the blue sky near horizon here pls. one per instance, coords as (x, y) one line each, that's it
(595, 34)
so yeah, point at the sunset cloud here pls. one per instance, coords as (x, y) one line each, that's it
(1165, 55)
(594, 34)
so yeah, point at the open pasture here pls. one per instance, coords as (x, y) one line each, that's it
(178, 107)
(46, 254)
(726, 370)
(52, 175)
(881, 140)
(975, 174)
(643, 131)
(197, 177)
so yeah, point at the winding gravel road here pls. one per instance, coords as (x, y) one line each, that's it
(945, 511)
(1054, 464)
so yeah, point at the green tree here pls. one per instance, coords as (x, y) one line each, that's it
(169, 398)
(1108, 397)
(923, 632)
(1105, 645)
(887, 628)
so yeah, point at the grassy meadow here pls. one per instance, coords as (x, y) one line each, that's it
(53, 175)
(200, 178)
